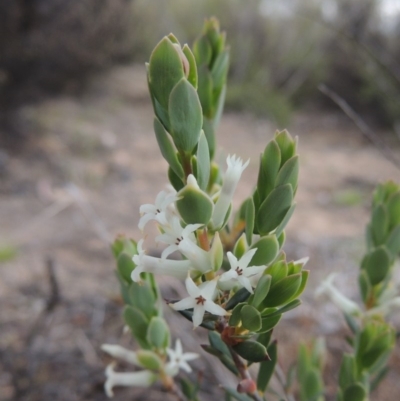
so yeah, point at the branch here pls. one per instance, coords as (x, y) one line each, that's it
(366, 131)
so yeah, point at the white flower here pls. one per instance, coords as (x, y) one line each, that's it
(178, 359)
(143, 378)
(174, 234)
(345, 304)
(200, 299)
(121, 353)
(231, 179)
(240, 271)
(201, 260)
(151, 264)
(160, 211)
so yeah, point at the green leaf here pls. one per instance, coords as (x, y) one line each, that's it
(203, 162)
(165, 71)
(192, 77)
(202, 51)
(219, 70)
(269, 167)
(142, 297)
(265, 338)
(240, 296)
(240, 247)
(393, 208)
(251, 318)
(355, 392)
(185, 116)
(286, 145)
(138, 323)
(267, 368)
(377, 264)
(348, 371)
(125, 267)
(149, 359)
(291, 305)
(289, 173)
(304, 279)
(252, 351)
(261, 290)
(210, 135)
(205, 91)
(175, 181)
(226, 360)
(216, 342)
(236, 317)
(283, 291)
(393, 242)
(312, 385)
(249, 218)
(277, 271)
(269, 322)
(365, 286)
(273, 210)
(158, 333)
(285, 221)
(167, 149)
(267, 250)
(194, 205)
(379, 224)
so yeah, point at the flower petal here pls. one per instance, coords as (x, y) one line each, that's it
(214, 308)
(198, 314)
(183, 304)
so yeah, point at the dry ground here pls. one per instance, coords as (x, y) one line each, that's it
(80, 182)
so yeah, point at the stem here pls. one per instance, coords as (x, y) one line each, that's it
(187, 167)
(244, 372)
(171, 386)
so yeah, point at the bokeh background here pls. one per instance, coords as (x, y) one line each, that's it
(78, 157)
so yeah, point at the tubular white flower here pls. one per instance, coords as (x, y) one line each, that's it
(240, 272)
(345, 304)
(143, 378)
(121, 353)
(174, 234)
(200, 299)
(199, 258)
(178, 359)
(160, 211)
(231, 179)
(151, 264)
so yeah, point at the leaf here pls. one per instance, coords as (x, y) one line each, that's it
(251, 318)
(283, 291)
(286, 145)
(249, 219)
(377, 264)
(261, 290)
(203, 162)
(158, 333)
(393, 242)
(237, 396)
(267, 250)
(348, 371)
(202, 51)
(291, 305)
(312, 385)
(289, 173)
(277, 271)
(165, 71)
(273, 210)
(205, 91)
(138, 323)
(142, 297)
(269, 322)
(285, 221)
(227, 361)
(217, 343)
(393, 208)
(185, 116)
(125, 267)
(167, 149)
(355, 392)
(192, 77)
(149, 359)
(240, 296)
(210, 135)
(175, 181)
(252, 351)
(267, 368)
(365, 286)
(269, 167)
(194, 205)
(235, 318)
(379, 224)
(219, 70)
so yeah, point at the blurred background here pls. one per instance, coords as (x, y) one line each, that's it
(78, 157)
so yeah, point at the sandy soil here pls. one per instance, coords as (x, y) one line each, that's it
(92, 163)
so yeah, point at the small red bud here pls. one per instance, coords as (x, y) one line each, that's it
(247, 386)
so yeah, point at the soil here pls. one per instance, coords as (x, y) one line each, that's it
(79, 181)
